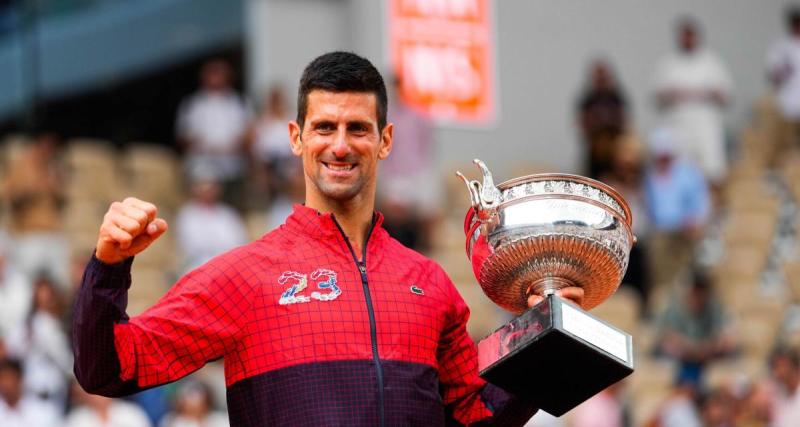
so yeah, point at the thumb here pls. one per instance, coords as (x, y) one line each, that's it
(156, 228)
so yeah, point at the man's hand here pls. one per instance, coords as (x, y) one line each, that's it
(128, 228)
(572, 293)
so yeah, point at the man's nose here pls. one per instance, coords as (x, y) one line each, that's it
(340, 147)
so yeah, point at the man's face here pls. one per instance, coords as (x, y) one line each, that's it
(340, 145)
(688, 39)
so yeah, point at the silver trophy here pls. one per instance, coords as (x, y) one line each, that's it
(534, 235)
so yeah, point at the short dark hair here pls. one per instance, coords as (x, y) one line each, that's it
(783, 351)
(342, 72)
(688, 22)
(792, 16)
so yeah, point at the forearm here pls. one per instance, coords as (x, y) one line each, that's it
(99, 305)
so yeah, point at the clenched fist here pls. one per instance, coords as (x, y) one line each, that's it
(128, 228)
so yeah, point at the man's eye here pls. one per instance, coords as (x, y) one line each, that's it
(360, 129)
(325, 127)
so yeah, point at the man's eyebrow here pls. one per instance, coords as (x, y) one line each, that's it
(364, 123)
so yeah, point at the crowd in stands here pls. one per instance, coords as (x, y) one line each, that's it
(707, 295)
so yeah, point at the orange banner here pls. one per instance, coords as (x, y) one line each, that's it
(442, 52)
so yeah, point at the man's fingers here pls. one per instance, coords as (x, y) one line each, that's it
(113, 234)
(126, 223)
(154, 230)
(148, 208)
(533, 300)
(573, 293)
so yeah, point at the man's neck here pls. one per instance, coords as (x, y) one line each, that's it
(354, 217)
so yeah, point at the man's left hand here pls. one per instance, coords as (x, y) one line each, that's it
(572, 293)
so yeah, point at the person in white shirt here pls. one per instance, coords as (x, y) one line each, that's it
(41, 343)
(270, 150)
(692, 87)
(99, 411)
(15, 294)
(205, 226)
(194, 408)
(784, 366)
(211, 126)
(783, 64)
(17, 409)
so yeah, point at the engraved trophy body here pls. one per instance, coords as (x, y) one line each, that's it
(534, 235)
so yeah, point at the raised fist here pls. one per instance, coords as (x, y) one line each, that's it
(128, 228)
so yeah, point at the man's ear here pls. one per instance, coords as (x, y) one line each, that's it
(294, 138)
(386, 141)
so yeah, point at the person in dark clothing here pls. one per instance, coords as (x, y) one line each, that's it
(602, 117)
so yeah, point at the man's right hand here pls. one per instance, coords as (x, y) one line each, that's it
(129, 227)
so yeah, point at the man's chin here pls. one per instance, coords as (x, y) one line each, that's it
(340, 192)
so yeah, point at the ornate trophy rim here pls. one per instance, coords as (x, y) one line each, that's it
(572, 177)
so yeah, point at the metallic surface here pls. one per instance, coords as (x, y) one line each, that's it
(542, 232)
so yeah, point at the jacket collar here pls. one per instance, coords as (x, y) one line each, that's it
(320, 224)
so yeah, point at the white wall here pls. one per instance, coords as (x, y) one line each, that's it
(543, 47)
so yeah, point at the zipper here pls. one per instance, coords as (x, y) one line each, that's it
(362, 269)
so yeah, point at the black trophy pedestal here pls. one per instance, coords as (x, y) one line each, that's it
(555, 354)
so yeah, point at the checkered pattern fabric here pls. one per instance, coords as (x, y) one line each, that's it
(291, 318)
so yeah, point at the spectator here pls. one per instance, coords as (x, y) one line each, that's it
(695, 330)
(43, 346)
(602, 117)
(410, 192)
(211, 127)
(784, 364)
(205, 226)
(194, 408)
(680, 409)
(17, 409)
(692, 88)
(604, 409)
(678, 204)
(15, 293)
(269, 140)
(627, 177)
(783, 64)
(34, 191)
(718, 408)
(755, 409)
(99, 411)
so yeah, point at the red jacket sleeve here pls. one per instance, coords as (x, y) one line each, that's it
(197, 321)
(469, 399)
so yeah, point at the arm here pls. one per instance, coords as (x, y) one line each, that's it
(195, 322)
(467, 398)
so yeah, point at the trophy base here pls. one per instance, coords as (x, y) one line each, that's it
(556, 355)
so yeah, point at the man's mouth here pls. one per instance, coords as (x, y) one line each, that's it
(339, 167)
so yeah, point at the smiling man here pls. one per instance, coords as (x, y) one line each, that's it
(325, 320)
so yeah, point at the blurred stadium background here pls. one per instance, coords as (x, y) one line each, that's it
(99, 101)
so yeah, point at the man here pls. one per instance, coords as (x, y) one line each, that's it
(602, 117)
(325, 320)
(783, 62)
(211, 127)
(16, 409)
(692, 88)
(678, 204)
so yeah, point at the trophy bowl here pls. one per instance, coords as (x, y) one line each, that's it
(539, 233)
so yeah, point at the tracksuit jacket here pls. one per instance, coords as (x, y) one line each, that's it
(311, 334)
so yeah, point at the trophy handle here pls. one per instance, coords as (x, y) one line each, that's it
(484, 197)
